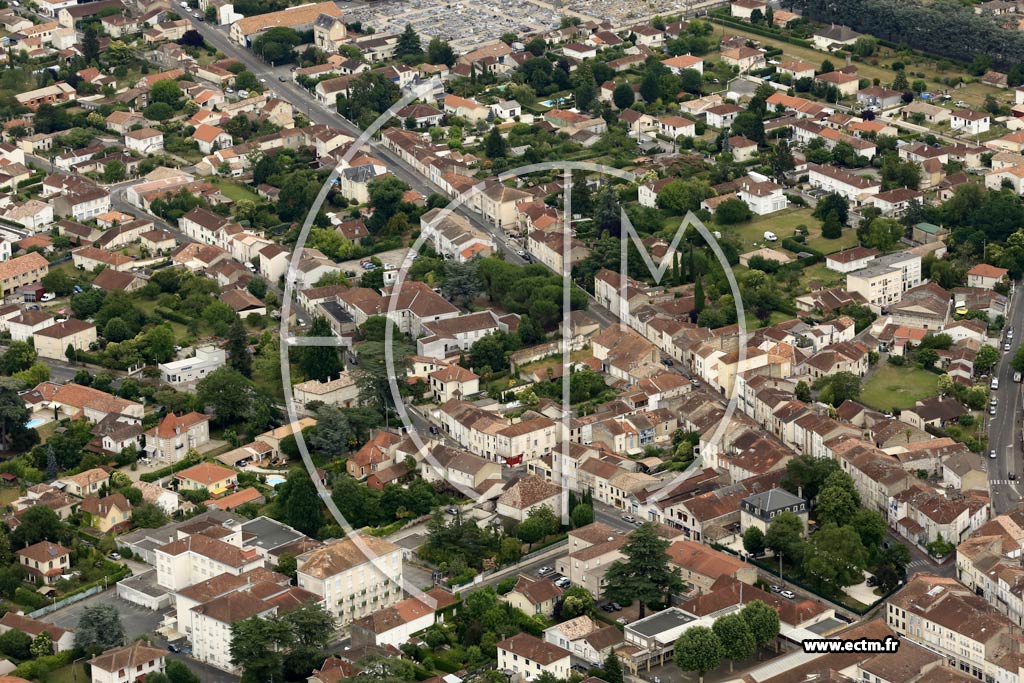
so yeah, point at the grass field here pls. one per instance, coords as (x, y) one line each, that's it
(893, 386)
(73, 673)
(782, 223)
(236, 192)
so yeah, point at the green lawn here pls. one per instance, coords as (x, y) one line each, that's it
(753, 323)
(826, 246)
(893, 386)
(73, 673)
(236, 192)
(782, 223)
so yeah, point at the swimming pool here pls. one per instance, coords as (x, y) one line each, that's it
(32, 424)
(275, 480)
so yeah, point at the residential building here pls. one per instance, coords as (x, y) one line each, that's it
(528, 657)
(55, 341)
(127, 664)
(176, 435)
(45, 562)
(886, 278)
(355, 576)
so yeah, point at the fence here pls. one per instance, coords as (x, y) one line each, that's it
(70, 600)
(509, 569)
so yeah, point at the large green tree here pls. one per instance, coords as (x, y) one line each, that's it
(299, 502)
(736, 638)
(321, 362)
(99, 628)
(645, 574)
(698, 650)
(763, 622)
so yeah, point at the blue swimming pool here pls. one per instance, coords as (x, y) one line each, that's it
(275, 480)
(32, 424)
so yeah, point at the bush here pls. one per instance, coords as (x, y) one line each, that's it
(29, 598)
(897, 360)
(505, 585)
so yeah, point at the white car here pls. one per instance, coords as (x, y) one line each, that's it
(48, 296)
(770, 236)
(994, 384)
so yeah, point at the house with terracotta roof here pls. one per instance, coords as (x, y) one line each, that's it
(85, 483)
(985, 276)
(54, 341)
(126, 664)
(62, 639)
(529, 657)
(192, 558)
(533, 596)
(527, 494)
(110, 513)
(206, 475)
(355, 576)
(211, 137)
(453, 381)
(45, 561)
(392, 626)
(22, 270)
(375, 454)
(172, 439)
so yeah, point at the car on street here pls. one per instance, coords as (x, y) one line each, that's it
(1012, 476)
(1006, 346)
(433, 430)
(544, 571)
(115, 556)
(452, 511)
(992, 454)
(667, 362)
(992, 410)
(789, 595)
(171, 647)
(282, 79)
(994, 384)
(629, 518)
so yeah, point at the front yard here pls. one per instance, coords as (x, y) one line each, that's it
(899, 387)
(784, 224)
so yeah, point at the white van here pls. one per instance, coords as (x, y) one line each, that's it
(770, 236)
(994, 384)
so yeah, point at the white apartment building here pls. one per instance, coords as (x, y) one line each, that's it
(190, 370)
(355, 576)
(196, 558)
(529, 657)
(885, 280)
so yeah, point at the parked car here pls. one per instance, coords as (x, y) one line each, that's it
(622, 621)
(789, 595)
(171, 647)
(770, 236)
(616, 607)
(452, 511)
(667, 362)
(629, 518)
(49, 296)
(544, 571)
(1012, 476)
(872, 581)
(776, 589)
(115, 556)
(563, 582)
(992, 454)
(1006, 346)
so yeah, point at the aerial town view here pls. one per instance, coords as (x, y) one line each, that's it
(511, 341)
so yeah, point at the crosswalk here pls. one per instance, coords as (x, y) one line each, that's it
(1001, 482)
(918, 563)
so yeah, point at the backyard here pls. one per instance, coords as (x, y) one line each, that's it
(784, 224)
(897, 387)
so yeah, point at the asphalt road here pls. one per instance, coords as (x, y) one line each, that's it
(1004, 428)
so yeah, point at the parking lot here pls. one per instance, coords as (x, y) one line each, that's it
(137, 620)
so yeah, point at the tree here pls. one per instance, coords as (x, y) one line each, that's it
(645, 574)
(300, 503)
(582, 515)
(321, 363)
(258, 287)
(576, 601)
(409, 46)
(42, 645)
(900, 82)
(18, 356)
(750, 125)
(831, 228)
(612, 669)
(58, 282)
(99, 628)
(16, 644)
(237, 347)
(159, 343)
(802, 392)
(753, 540)
(225, 392)
(90, 44)
(763, 622)
(834, 504)
(440, 52)
(178, 672)
(680, 196)
(623, 96)
(258, 647)
(832, 202)
(540, 522)
(835, 557)
(734, 634)
(494, 145)
(148, 516)
(839, 387)
(786, 535)
(732, 211)
(277, 45)
(584, 86)
(114, 172)
(166, 91)
(698, 649)
(986, 359)
(782, 160)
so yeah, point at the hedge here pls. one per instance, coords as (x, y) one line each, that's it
(757, 30)
(172, 316)
(150, 477)
(798, 247)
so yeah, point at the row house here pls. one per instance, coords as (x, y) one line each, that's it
(923, 515)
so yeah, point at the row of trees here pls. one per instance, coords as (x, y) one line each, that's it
(734, 637)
